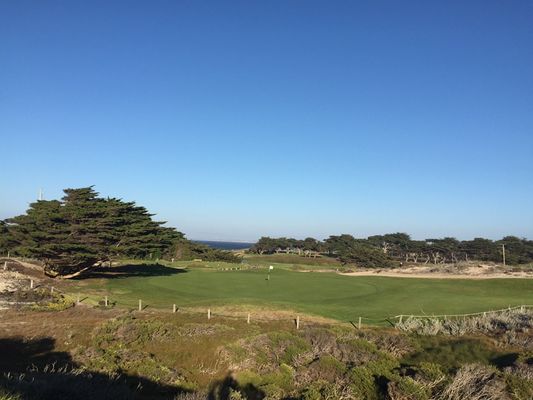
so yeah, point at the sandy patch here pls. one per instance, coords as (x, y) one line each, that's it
(471, 272)
(11, 280)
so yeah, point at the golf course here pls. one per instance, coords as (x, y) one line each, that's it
(329, 295)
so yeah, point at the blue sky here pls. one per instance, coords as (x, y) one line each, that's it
(236, 119)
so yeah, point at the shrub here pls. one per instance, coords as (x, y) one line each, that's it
(406, 388)
(287, 346)
(430, 375)
(363, 383)
(326, 368)
(516, 320)
(53, 302)
(475, 382)
(323, 390)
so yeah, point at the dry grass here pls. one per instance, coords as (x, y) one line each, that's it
(475, 382)
(505, 322)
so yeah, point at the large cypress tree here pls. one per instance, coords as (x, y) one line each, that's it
(83, 230)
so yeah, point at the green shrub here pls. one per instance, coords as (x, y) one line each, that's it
(328, 368)
(321, 389)
(55, 302)
(290, 345)
(235, 395)
(407, 388)
(520, 388)
(364, 384)
(385, 367)
(272, 384)
(272, 391)
(311, 393)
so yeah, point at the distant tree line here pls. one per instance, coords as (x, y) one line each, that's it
(82, 231)
(383, 250)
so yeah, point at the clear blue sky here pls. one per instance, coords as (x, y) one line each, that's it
(233, 120)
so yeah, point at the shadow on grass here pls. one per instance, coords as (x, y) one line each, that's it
(132, 270)
(32, 369)
(455, 352)
(222, 390)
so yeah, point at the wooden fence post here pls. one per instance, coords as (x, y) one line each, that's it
(31, 283)
(248, 319)
(173, 308)
(208, 313)
(5, 265)
(297, 322)
(140, 305)
(359, 324)
(105, 301)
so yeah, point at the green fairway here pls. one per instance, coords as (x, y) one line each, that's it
(325, 294)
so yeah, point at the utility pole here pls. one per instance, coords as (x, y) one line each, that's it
(503, 254)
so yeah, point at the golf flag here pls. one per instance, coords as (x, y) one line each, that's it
(270, 268)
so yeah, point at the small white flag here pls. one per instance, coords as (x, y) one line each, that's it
(271, 268)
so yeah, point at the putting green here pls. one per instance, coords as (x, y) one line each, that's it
(324, 294)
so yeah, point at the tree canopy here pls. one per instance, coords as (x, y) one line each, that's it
(83, 230)
(381, 250)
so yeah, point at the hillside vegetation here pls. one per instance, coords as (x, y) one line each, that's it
(106, 354)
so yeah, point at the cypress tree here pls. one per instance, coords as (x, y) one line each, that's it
(83, 230)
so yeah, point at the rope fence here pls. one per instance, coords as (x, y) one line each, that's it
(522, 308)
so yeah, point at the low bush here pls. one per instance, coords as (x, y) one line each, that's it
(51, 301)
(476, 382)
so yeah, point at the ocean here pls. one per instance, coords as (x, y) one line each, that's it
(225, 245)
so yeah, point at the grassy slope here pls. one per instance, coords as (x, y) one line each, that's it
(325, 294)
(292, 259)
